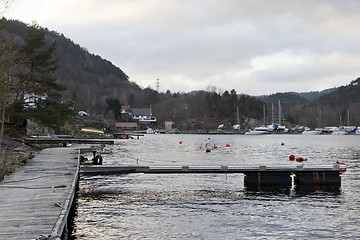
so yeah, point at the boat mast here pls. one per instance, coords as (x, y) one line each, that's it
(272, 113)
(264, 113)
(237, 116)
(340, 121)
(279, 113)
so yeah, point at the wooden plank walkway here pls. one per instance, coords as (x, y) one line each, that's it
(36, 199)
(67, 140)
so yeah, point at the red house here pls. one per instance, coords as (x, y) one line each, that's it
(126, 126)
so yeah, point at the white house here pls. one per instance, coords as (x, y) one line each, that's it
(143, 115)
(30, 99)
(169, 124)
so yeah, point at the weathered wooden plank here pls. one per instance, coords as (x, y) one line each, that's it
(35, 198)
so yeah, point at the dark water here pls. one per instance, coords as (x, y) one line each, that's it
(210, 206)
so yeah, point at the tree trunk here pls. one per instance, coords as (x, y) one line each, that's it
(2, 123)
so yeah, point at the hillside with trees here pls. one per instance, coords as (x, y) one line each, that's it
(331, 107)
(89, 78)
(87, 82)
(29, 82)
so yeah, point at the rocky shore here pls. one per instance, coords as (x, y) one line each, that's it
(14, 154)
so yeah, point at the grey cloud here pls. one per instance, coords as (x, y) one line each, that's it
(194, 43)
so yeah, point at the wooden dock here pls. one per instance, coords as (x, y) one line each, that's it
(254, 175)
(127, 135)
(66, 141)
(35, 200)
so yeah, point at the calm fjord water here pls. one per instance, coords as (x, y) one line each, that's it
(210, 206)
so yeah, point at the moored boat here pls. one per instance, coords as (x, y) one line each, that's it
(92, 130)
(255, 132)
(311, 132)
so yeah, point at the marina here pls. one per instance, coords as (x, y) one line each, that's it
(219, 205)
(36, 200)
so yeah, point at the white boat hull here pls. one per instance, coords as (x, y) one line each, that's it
(255, 133)
(311, 132)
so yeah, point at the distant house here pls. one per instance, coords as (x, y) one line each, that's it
(30, 99)
(125, 109)
(143, 115)
(83, 113)
(126, 126)
(169, 124)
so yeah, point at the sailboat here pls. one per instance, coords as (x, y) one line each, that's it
(344, 130)
(279, 127)
(260, 129)
(236, 127)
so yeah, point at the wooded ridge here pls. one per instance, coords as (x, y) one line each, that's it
(98, 87)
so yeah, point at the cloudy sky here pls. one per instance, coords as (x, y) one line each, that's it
(253, 46)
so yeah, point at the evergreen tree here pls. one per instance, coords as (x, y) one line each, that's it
(38, 90)
(114, 105)
(39, 75)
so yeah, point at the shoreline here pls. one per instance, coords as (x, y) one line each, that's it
(13, 155)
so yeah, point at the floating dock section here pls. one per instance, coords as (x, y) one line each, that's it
(261, 175)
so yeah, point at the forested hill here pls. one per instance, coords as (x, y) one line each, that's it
(98, 87)
(90, 80)
(332, 107)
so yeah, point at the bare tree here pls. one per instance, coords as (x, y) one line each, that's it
(9, 63)
(4, 5)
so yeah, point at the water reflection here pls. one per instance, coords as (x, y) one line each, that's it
(310, 189)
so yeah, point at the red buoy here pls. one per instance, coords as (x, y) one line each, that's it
(208, 150)
(341, 163)
(227, 145)
(282, 144)
(180, 142)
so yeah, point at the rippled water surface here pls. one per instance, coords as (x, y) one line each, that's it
(210, 206)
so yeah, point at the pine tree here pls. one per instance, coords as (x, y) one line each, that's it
(40, 67)
(38, 91)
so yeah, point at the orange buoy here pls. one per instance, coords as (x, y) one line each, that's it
(227, 145)
(301, 159)
(215, 147)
